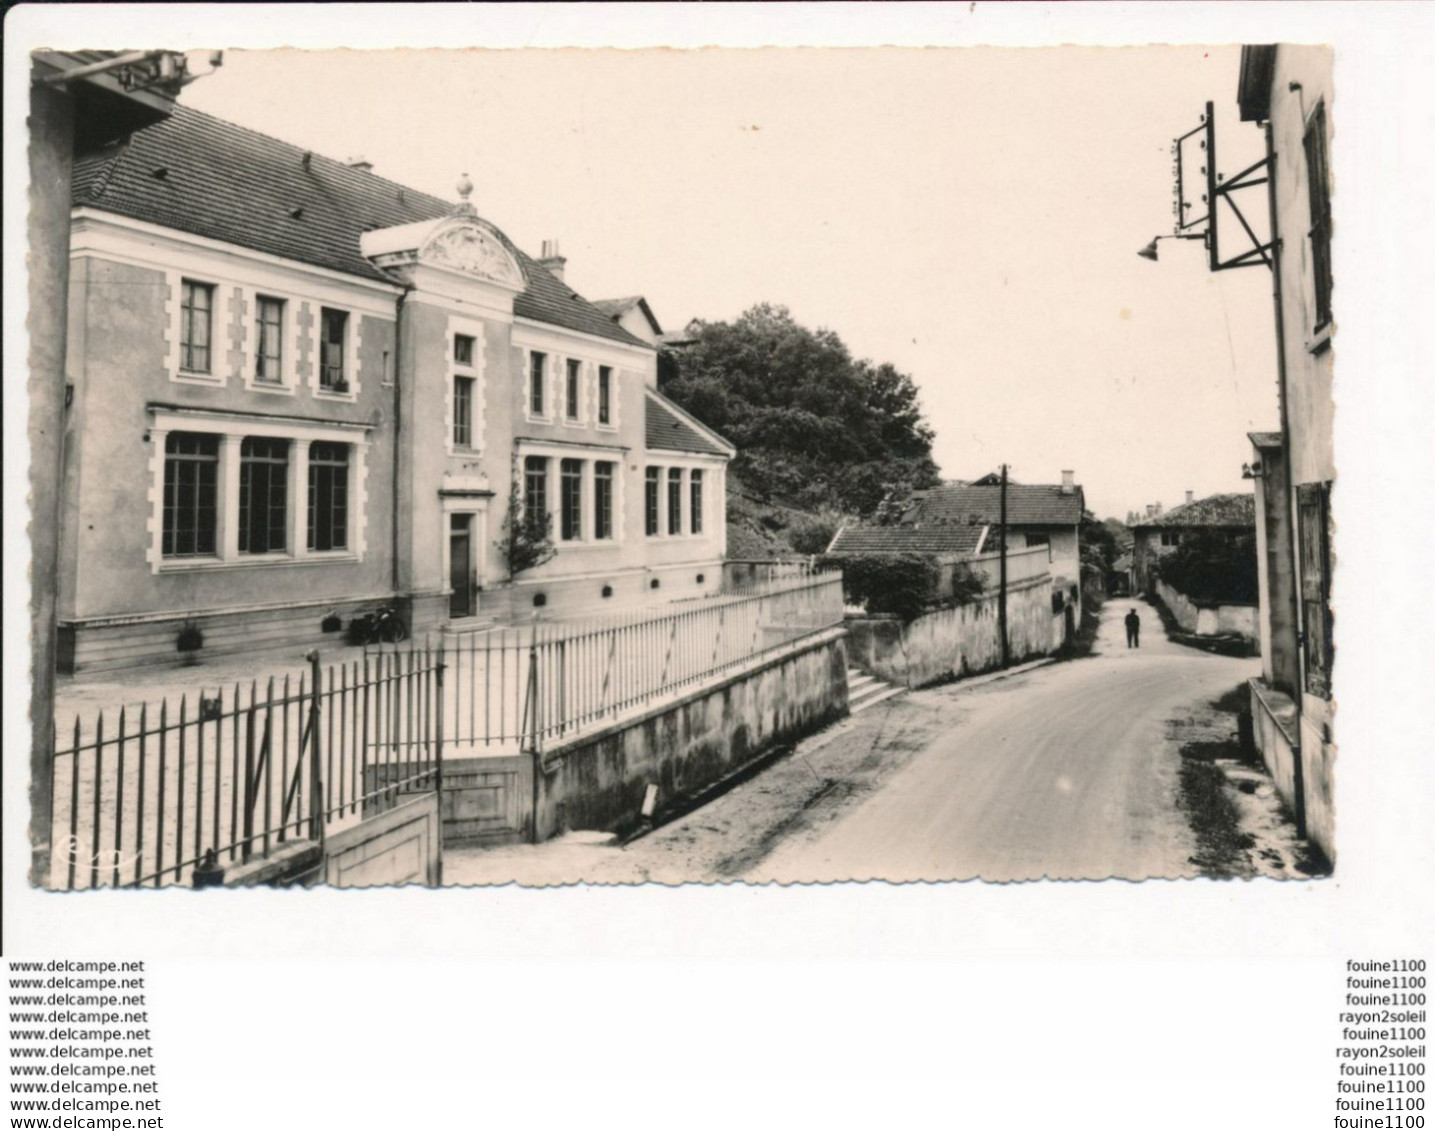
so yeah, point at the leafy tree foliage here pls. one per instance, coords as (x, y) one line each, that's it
(813, 426)
(1214, 566)
(526, 540)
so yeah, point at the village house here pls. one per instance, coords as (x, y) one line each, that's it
(1037, 514)
(1163, 531)
(1287, 90)
(298, 390)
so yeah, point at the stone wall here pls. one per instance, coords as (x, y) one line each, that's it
(1231, 619)
(1302, 768)
(691, 741)
(959, 641)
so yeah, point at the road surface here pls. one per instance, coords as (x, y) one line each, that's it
(1063, 772)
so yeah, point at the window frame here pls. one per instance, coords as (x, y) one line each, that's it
(261, 354)
(696, 483)
(187, 288)
(653, 501)
(675, 502)
(604, 473)
(231, 430)
(572, 391)
(322, 342)
(603, 411)
(570, 499)
(250, 463)
(315, 465)
(536, 387)
(1317, 167)
(170, 486)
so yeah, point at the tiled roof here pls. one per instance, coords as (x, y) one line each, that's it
(614, 307)
(907, 540)
(1214, 510)
(667, 431)
(200, 174)
(1026, 505)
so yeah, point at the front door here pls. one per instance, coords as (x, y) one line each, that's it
(460, 565)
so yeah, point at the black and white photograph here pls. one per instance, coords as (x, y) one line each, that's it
(803, 563)
(502, 504)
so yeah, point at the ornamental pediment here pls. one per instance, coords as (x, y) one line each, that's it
(465, 245)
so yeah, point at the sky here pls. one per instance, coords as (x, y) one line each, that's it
(970, 215)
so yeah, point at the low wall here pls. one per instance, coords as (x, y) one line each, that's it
(399, 846)
(598, 781)
(109, 643)
(1229, 619)
(955, 642)
(1302, 771)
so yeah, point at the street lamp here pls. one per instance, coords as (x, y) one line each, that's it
(1149, 251)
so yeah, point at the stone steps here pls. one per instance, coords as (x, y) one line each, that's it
(865, 691)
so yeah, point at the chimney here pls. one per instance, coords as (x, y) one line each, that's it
(551, 260)
(1068, 482)
(361, 163)
(1190, 497)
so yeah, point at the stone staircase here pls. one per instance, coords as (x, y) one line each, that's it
(865, 691)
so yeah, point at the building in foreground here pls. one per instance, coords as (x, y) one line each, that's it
(1287, 90)
(298, 390)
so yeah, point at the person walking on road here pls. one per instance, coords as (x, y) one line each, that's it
(1133, 630)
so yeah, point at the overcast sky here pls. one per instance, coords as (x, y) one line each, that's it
(969, 214)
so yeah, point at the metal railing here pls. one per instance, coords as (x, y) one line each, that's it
(143, 797)
(520, 689)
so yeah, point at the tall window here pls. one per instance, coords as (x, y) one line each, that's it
(462, 349)
(605, 394)
(536, 364)
(570, 389)
(1313, 503)
(333, 326)
(1318, 184)
(191, 494)
(695, 506)
(263, 494)
(269, 364)
(196, 326)
(650, 498)
(602, 500)
(463, 412)
(571, 475)
(328, 495)
(675, 500)
(535, 488)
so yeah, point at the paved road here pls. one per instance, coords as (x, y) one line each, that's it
(1062, 773)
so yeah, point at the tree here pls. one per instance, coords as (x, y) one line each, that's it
(813, 426)
(526, 539)
(1213, 566)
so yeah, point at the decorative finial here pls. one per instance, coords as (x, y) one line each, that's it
(465, 188)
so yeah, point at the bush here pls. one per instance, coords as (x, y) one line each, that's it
(902, 584)
(1213, 567)
(813, 535)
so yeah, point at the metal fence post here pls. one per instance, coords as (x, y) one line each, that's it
(438, 765)
(316, 761)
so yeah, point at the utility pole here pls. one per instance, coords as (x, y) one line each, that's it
(1001, 590)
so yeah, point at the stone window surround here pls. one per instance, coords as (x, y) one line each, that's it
(589, 456)
(351, 351)
(288, 383)
(478, 410)
(232, 428)
(664, 464)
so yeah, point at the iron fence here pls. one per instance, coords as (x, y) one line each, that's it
(143, 797)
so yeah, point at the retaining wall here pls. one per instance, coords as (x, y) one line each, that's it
(598, 781)
(1301, 765)
(959, 641)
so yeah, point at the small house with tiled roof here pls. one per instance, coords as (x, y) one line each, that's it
(1037, 514)
(299, 389)
(1161, 533)
(634, 315)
